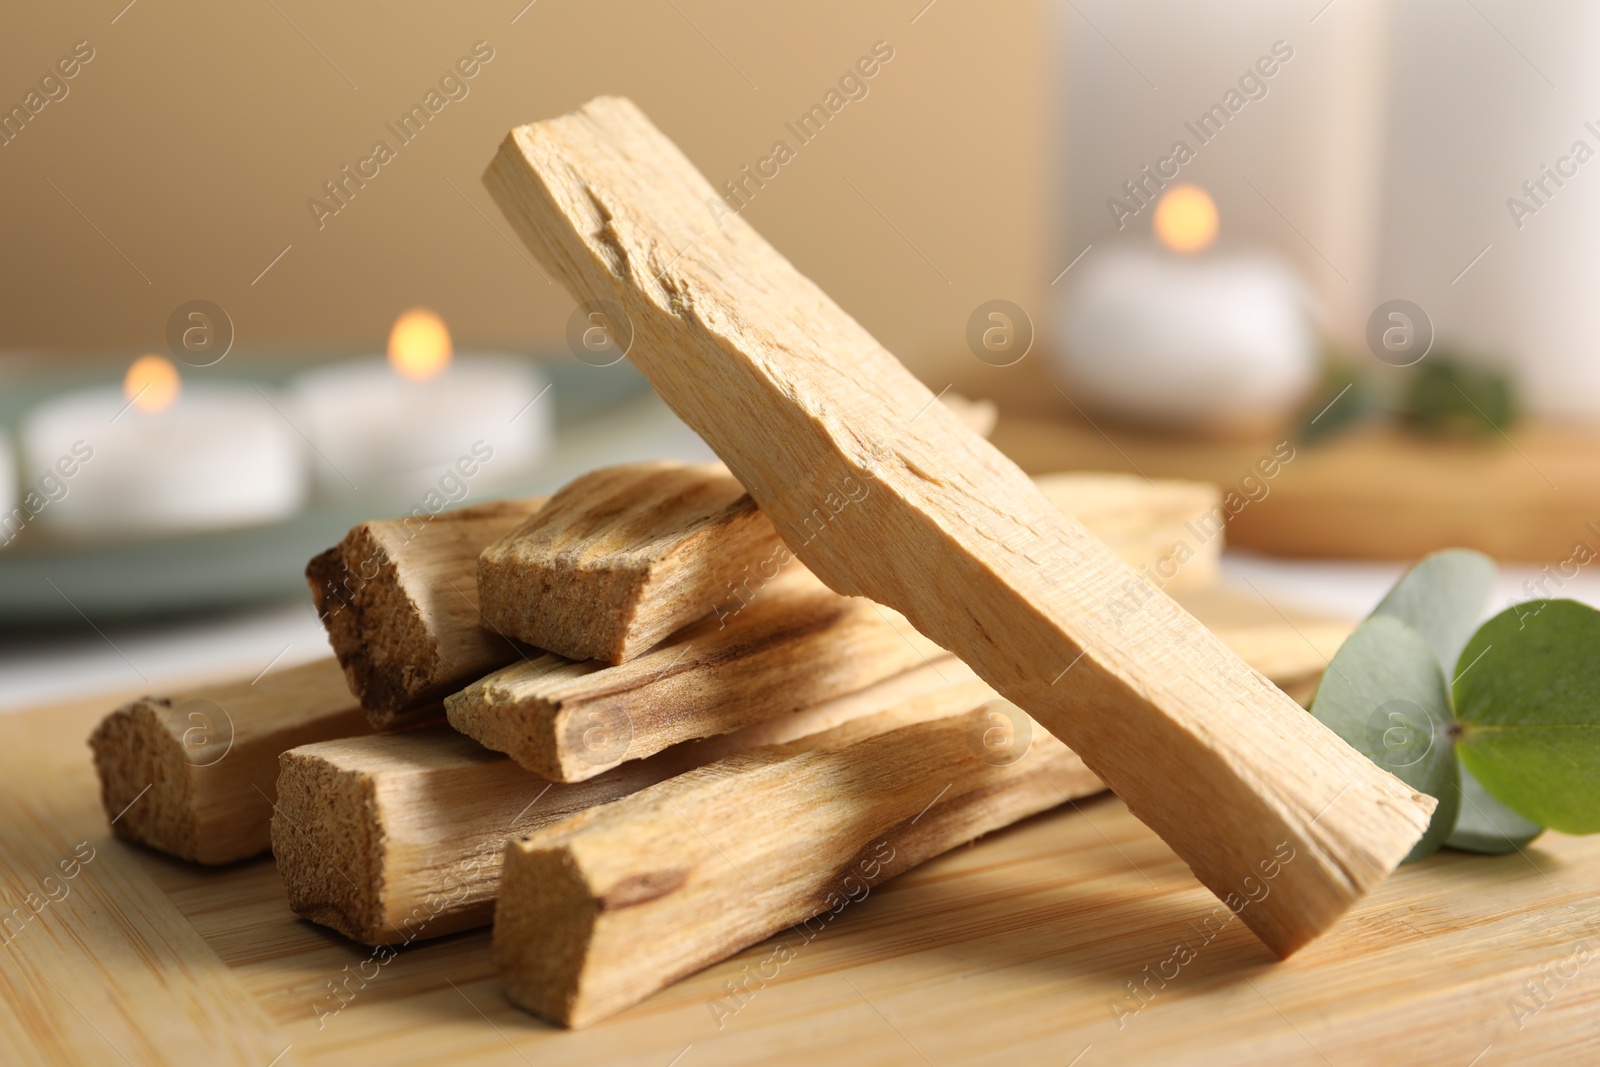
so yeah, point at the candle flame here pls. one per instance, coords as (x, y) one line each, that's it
(1186, 218)
(419, 344)
(152, 383)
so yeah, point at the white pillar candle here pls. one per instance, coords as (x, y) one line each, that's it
(215, 457)
(1214, 344)
(1297, 162)
(375, 428)
(1494, 189)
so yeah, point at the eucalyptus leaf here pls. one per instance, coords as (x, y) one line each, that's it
(1485, 824)
(1442, 598)
(1385, 694)
(1528, 701)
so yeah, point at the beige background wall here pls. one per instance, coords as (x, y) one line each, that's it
(198, 132)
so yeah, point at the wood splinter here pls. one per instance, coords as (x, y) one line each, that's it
(604, 908)
(808, 409)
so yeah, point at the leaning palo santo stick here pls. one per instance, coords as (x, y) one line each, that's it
(885, 494)
(193, 774)
(601, 910)
(622, 557)
(797, 643)
(393, 838)
(399, 599)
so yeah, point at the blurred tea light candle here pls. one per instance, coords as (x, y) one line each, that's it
(396, 424)
(154, 457)
(1186, 341)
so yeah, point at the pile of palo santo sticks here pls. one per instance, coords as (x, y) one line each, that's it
(624, 724)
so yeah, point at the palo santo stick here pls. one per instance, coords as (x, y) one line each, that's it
(622, 557)
(398, 837)
(193, 774)
(796, 644)
(884, 493)
(602, 909)
(399, 599)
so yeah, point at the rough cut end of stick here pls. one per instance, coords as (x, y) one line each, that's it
(396, 837)
(327, 854)
(807, 407)
(194, 774)
(399, 600)
(622, 557)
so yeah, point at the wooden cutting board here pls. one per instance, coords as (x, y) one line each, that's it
(1371, 493)
(1015, 950)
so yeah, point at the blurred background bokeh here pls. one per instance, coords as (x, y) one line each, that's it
(1165, 238)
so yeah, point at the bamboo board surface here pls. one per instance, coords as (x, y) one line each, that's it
(1010, 951)
(1370, 493)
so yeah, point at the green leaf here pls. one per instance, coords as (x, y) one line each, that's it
(1528, 700)
(1385, 694)
(1485, 824)
(1442, 598)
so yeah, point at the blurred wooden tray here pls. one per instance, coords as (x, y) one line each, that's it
(1371, 493)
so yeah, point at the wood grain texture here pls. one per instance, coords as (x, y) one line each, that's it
(623, 556)
(194, 773)
(399, 600)
(397, 838)
(97, 965)
(1007, 952)
(603, 909)
(796, 643)
(883, 493)
(1371, 493)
